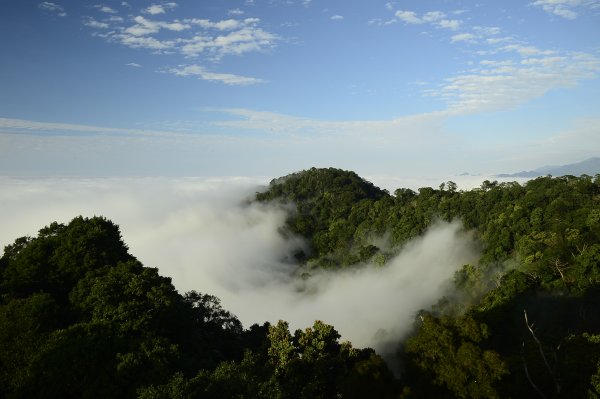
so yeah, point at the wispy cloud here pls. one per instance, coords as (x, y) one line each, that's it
(200, 72)
(106, 9)
(22, 126)
(203, 39)
(435, 18)
(517, 72)
(92, 23)
(337, 17)
(156, 9)
(235, 11)
(568, 9)
(146, 42)
(504, 84)
(223, 25)
(242, 37)
(145, 27)
(379, 131)
(410, 17)
(463, 37)
(452, 24)
(526, 51)
(133, 64)
(52, 8)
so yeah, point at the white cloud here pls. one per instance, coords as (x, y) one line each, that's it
(106, 9)
(337, 17)
(144, 26)
(202, 73)
(236, 42)
(156, 9)
(52, 8)
(20, 126)
(197, 45)
(526, 51)
(380, 132)
(213, 40)
(92, 23)
(565, 13)
(435, 18)
(210, 40)
(146, 42)
(235, 11)
(566, 8)
(487, 30)
(452, 24)
(133, 64)
(463, 37)
(226, 24)
(409, 17)
(501, 85)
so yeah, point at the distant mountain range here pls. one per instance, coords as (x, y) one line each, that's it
(590, 167)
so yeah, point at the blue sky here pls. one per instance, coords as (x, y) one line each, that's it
(411, 89)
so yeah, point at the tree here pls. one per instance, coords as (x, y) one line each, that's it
(449, 351)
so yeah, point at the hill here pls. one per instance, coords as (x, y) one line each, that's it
(589, 167)
(81, 317)
(324, 198)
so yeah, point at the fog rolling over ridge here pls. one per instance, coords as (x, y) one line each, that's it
(208, 237)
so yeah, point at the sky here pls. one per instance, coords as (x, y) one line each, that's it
(401, 89)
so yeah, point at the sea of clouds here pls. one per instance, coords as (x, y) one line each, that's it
(207, 236)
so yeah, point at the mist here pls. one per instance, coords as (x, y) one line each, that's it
(208, 237)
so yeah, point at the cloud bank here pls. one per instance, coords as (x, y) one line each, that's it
(206, 236)
(204, 40)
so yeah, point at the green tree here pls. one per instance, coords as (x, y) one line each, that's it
(449, 351)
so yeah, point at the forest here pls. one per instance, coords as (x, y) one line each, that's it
(81, 317)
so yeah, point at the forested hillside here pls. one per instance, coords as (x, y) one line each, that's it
(81, 317)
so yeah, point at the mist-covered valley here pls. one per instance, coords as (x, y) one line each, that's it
(435, 280)
(207, 236)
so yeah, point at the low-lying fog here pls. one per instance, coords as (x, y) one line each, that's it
(204, 235)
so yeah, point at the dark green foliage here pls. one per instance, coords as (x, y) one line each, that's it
(308, 364)
(540, 253)
(60, 256)
(325, 200)
(25, 325)
(81, 317)
(450, 352)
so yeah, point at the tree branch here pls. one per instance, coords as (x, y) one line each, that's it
(539, 344)
(527, 372)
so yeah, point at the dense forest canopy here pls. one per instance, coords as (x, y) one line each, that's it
(81, 317)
